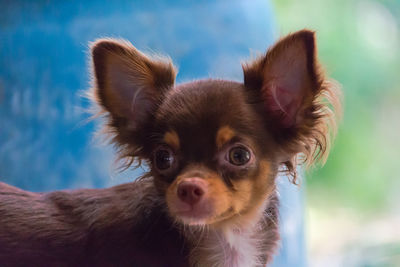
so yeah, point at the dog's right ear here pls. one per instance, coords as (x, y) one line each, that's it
(128, 85)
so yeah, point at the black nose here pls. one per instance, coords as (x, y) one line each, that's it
(190, 192)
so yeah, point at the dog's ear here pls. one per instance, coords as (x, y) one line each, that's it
(128, 85)
(290, 86)
(286, 77)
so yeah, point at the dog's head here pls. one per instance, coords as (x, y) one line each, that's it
(214, 147)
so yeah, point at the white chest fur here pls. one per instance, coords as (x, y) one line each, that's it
(231, 248)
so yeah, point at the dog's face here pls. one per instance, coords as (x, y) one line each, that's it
(213, 157)
(214, 147)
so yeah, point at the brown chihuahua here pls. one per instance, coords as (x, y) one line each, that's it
(214, 149)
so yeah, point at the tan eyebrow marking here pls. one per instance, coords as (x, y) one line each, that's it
(172, 139)
(224, 135)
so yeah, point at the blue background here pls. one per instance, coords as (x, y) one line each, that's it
(46, 142)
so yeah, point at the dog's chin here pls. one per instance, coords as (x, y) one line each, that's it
(192, 221)
(193, 216)
(196, 218)
(200, 214)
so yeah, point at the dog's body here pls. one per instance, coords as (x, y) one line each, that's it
(214, 149)
(126, 225)
(118, 226)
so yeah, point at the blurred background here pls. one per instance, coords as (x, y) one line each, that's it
(351, 206)
(353, 203)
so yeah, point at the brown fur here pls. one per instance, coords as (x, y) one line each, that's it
(89, 227)
(198, 131)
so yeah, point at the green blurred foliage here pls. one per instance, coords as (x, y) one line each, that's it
(359, 45)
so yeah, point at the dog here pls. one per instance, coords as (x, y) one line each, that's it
(214, 149)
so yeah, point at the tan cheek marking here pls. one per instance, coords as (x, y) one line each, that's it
(224, 135)
(262, 187)
(264, 184)
(220, 195)
(242, 194)
(172, 139)
(249, 197)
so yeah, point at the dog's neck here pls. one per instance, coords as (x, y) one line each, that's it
(245, 243)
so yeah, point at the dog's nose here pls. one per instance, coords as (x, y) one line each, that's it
(191, 190)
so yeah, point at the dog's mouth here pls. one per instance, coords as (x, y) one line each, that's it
(193, 214)
(201, 214)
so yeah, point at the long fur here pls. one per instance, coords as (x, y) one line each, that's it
(138, 223)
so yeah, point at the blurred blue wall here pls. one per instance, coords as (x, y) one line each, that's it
(45, 143)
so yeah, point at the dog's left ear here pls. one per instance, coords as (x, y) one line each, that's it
(286, 77)
(289, 84)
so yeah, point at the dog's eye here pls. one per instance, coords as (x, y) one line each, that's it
(239, 156)
(163, 158)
